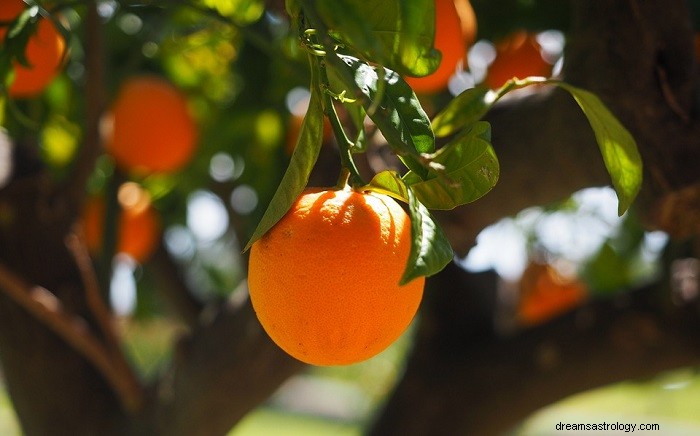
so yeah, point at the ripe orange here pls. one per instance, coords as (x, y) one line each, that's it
(324, 281)
(138, 225)
(518, 55)
(150, 128)
(544, 294)
(44, 52)
(455, 31)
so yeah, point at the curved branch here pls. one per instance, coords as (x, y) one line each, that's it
(46, 308)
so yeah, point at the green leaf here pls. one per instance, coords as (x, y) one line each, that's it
(463, 110)
(395, 33)
(470, 170)
(430, 249)
(241, 11)
(617, 145)
(302, 162)
(607, 272)
(399, 115)
(15, 42)
(389, 183)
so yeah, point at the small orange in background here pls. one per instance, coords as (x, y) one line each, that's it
(324, 281)
(455, 31)
(45, 51)
(518, 55)
(138, 227)
(545, 293)
(296, 119)
(149, 128)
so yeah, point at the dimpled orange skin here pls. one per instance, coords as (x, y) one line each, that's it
(455, 30)
(44, 52)
(324, 281)
(151, 128)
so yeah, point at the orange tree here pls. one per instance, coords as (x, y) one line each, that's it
(454, 164)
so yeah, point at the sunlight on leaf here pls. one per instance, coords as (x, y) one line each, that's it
(242, 11)
(303, 159)
(399, 115)
(463, 110)
(471, 169)
(617, 145)
(397, 34)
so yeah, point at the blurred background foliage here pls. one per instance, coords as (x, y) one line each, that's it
(245, 76)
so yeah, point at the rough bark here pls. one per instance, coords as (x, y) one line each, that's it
(225, 367)
(463, 377)
(461, 367)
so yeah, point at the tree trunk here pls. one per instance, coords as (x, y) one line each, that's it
(463, 376)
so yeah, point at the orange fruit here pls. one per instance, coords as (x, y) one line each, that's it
(149, 127)
(455, 31)
(324, 281)
(544, 294)
(138, 226)
(44, 52)
(518, 55)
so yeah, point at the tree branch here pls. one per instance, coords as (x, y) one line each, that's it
(172, 287)
(84, 163)
(227, 364)
(46, 308)
(464, 377)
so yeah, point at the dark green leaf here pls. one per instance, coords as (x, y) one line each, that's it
(430, 249)
(303, 159)
(617, 145)
(607, 272)
(399, 115)
(465, 109)
(395, 33)
(471, 170)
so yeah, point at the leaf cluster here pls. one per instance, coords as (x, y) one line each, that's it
(366, 48)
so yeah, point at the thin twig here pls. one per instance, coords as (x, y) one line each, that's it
(47, 309)
(94, 106)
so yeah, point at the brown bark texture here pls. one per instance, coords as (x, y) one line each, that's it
(67, 376)
(464, 376)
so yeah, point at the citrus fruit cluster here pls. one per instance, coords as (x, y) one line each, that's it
(324, 281)
(148, 129)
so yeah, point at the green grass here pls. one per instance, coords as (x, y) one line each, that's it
(9, 426)
(671, 400)
(271, 422)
